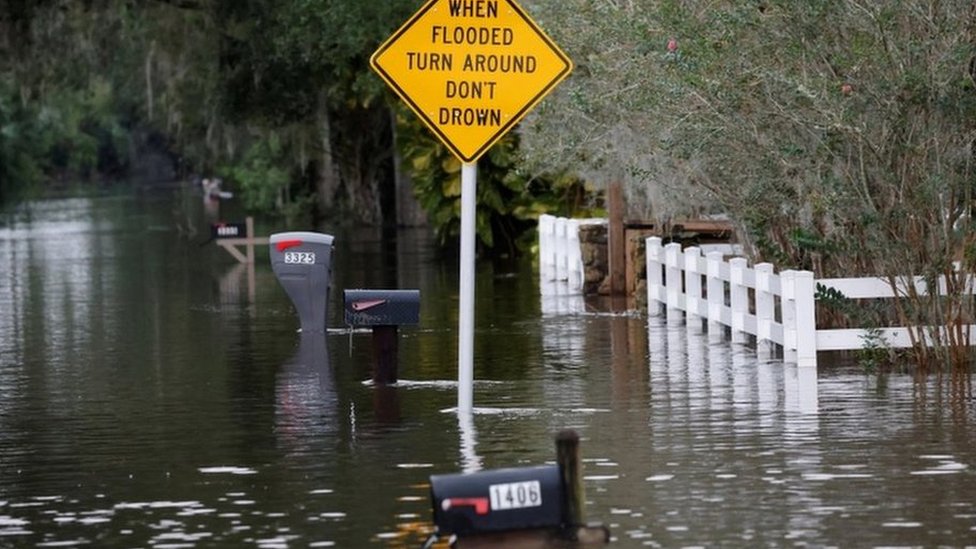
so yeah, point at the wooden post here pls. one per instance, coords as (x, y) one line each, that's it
(249, 225)
(571, 469)
(617, 247)
(385, 355)
(248, 241)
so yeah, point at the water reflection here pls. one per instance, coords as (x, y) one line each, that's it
(51, 278)
(712, 397)
(800, 389)
(237, 284)
(386, 405)
(306, 403)
(559, 299)
(470, 460)
(733, 373)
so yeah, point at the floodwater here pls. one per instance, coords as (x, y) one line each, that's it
(151, 397)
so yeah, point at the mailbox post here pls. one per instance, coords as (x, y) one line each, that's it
(384, 311)
(302, 261)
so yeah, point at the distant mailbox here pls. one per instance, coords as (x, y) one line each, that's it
(302, 261)
(382, 307)
(497, 500)
(228, 230)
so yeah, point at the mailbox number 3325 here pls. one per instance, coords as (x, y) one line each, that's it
(300, 258)
(515, 495)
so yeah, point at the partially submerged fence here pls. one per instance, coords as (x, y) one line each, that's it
(560, 253)
(698, 286)
(565, 256)
(775, 308)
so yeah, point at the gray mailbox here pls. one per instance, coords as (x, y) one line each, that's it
(385, 311)
(498, 500)
(382, 307)
(302, 261)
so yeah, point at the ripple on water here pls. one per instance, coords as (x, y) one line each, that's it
(948, 467)
(659, 478)
(227, 470)
(64, 543)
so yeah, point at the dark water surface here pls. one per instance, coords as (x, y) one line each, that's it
(147, 401)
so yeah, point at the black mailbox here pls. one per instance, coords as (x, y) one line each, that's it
(498, 500)
(382, 307)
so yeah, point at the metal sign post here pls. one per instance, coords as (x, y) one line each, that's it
(470, 70)
(469, 192)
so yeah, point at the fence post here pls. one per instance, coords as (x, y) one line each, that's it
(561, 245)
(739, 295)
(693, 289)
(654, 280)
(716, 295)
(574, 256)
(788, 309)
(765, 310)
(805, 288)
(546, 252)
(672, 281)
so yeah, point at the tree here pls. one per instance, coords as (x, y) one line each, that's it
(837, 135)
(303, 65)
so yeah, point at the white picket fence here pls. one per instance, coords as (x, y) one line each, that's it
(774, 308)
(560, 254)
(713, 289)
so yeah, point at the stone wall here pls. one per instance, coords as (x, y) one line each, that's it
(595, 252)
(596, 264)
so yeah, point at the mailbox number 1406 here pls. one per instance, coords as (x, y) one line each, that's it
(515, 495)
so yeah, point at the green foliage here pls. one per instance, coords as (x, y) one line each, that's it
(17, 169)
(875, 353)
(68, 136)
(262, 181)
(277, 97)
(509, 200)
(79, 136)
(279, 57)
(62, 117)
(835, 307)
(838, 136)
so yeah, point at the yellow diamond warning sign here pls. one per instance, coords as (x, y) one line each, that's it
(471, 69)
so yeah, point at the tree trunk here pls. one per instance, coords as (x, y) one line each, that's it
(360, 176)
(409, 213)
(150, 107)
(328, 180)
